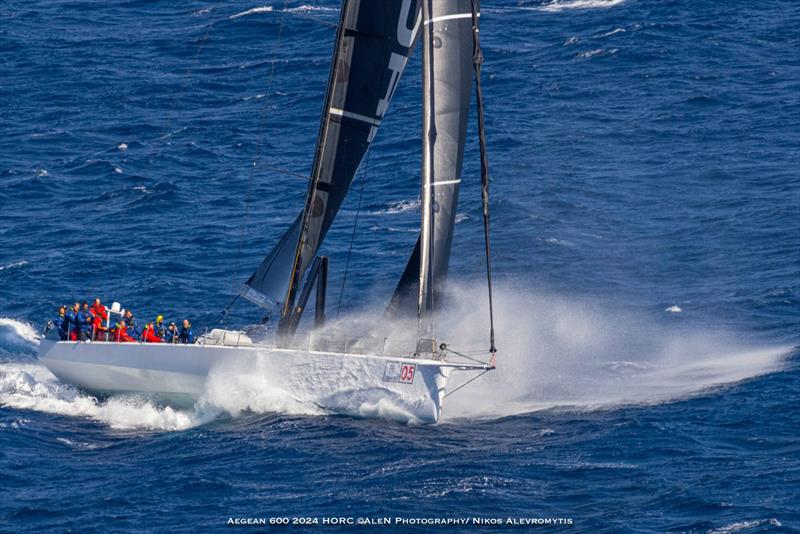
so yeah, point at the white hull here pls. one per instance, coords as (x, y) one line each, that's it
(178, 374)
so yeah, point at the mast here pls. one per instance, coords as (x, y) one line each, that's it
(425, 301)
(447, 51)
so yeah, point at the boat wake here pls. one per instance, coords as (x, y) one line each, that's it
(554, 353)
(30, 386)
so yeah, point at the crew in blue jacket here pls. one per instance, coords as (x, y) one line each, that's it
(85, 321)
(60, 322)
(186, 336)
(131, 328)
(73, 325)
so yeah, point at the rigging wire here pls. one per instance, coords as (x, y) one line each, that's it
(355, 223)
(286, 172)
(447, 348)
(477, 61)
(254, 164)
(184, 87)
(471, 380)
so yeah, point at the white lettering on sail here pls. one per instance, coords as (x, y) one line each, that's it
(406, 35)
(397, 62)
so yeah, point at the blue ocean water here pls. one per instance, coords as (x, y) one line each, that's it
(645, 157)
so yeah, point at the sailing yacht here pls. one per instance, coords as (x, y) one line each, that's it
(373, 44)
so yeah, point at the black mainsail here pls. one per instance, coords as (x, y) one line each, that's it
(373, 41)
(447, 52)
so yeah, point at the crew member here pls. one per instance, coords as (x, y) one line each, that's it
(149, 334)
(172, 333)
(186, 335)
(73, 326)
(160, 327)
(86, 321)
(121, 334)
(130, 325)
(60, 322)
(100, 330)
(98, 310)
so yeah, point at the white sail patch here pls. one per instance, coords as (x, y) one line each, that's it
(450, 17)
(356, 116)
(374, 123)
(443, 182)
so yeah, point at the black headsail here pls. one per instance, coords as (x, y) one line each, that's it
(373, 42)
(447, 43)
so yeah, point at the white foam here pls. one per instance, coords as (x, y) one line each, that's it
(564, 5)
(18, 333)
(402, 206)
(674, 309)
(597, 52)
(309, 8)
(378, 228)
(266, 385)
(746, 525)
(613, 32)
(122, 146)
(250, 385)
(262, 9)
(13, 265)
(30, 386)
(559, 242)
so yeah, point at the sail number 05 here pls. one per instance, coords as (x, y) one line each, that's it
(399, 372)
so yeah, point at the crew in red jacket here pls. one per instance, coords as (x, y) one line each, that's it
(149, 335)
(99, 329)
(121, 335)
(98, 310)
(100, 317)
